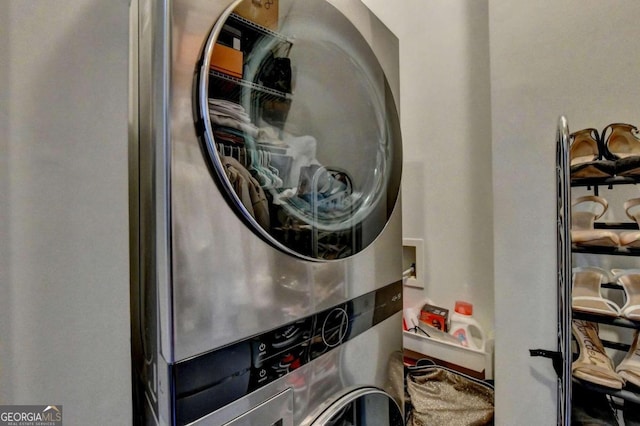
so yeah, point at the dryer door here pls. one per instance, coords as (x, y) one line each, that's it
(299, 126)
(364, 406)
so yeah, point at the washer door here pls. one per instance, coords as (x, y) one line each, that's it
(299, 126)
(365, 406)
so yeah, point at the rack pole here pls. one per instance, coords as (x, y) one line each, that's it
(564, 270)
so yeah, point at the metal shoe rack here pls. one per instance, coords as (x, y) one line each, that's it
(564, 277)
(563, 216)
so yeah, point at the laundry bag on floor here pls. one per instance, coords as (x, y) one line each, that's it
(439, 396)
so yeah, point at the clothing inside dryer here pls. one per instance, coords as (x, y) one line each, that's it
(306, 137)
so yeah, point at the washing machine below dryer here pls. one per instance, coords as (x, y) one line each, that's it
(361, 406)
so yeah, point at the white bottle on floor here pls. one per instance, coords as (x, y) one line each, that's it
(465, 328)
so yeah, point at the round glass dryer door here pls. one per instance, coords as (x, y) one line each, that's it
(363, 407)
(299, 126)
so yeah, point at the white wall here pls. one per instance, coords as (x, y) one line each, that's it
(64, 313)
(64, 334)
(548, 58)
(573, 57)
(446, 124)
(64, 304)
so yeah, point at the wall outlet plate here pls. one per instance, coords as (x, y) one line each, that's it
(413, 253)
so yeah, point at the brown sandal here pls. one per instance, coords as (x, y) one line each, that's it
(585, 157)
(622, 144)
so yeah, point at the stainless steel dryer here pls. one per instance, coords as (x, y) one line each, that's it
(265, 212)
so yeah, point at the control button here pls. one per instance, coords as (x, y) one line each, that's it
(335, 327)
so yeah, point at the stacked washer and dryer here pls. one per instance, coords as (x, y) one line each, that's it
(266, 234)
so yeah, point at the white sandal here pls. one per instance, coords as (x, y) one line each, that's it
(631, 239)
(583, 218)
(629, 279)
(586, 295)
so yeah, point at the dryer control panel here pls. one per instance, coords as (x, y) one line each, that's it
(215, 379)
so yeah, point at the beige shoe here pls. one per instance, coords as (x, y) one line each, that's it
(629, 368)
(593, 365)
